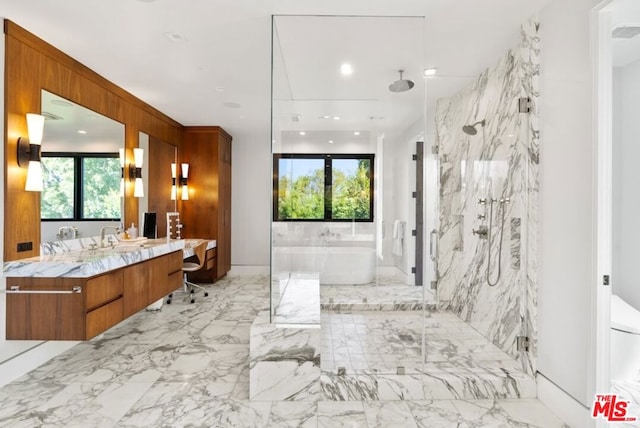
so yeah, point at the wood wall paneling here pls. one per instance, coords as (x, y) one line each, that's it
(32, 65)
(207, 214)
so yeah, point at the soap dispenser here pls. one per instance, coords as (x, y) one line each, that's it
(133, 231)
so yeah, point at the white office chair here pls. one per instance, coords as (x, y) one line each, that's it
(190, 287)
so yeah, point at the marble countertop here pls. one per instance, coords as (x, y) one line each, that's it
(85, 263)
(189, 245)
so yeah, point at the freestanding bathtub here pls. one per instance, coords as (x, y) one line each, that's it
(335, 264)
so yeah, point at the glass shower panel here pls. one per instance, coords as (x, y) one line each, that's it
(343, 177)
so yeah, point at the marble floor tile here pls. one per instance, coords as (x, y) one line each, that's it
(288, 414)
(389, 414)
(188, 365)
(339, 414)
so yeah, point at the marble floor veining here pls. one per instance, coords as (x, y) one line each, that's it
(187, 365)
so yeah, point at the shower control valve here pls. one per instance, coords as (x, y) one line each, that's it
(481, 231)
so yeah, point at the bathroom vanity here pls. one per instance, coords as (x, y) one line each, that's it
(79, 294)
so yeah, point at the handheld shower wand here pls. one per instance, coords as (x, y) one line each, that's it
(502, 202)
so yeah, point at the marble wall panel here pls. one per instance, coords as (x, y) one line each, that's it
(499, 162)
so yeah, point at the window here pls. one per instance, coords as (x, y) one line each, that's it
(80, 186)
(322, 187)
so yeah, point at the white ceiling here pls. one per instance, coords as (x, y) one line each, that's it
(220, 73)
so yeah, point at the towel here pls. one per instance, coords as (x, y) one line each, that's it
(398, 237)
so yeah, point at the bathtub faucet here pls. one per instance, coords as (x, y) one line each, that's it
(326, 233)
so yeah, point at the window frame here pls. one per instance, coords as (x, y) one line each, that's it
(78, 196)
(328, 184)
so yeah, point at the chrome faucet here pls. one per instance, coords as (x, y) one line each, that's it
(102, 230)
(65, 232)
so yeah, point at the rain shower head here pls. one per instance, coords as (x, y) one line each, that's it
(471, 129)
(401, 85)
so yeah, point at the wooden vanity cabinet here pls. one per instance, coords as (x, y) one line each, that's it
(103, 301)
(207, 213)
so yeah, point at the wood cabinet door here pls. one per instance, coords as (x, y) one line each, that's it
(135, 288)
(165, 275)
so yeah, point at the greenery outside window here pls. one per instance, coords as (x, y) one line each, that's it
(323, 187)
(81, 186)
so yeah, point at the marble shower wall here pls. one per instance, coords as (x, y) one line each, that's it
(500, 161)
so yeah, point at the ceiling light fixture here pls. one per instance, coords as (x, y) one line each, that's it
(82, 131)
(430, 72)
(303, 133)
(356, 133)
(336, 117)
(346, 69)
(330, 141)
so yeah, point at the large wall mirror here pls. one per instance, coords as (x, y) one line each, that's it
(157, 167)
(81, 170)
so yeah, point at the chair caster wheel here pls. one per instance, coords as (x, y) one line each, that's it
(193, 301)
(206, 294)
(168, 302)
(192, 291)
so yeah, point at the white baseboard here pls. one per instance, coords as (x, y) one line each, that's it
(563, 405)
(249, 270)
(22, 364)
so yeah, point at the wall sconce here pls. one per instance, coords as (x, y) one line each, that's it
(121, 153)
(184, 178)
(174, 189)
(135, 172)
(184, 181)
(29, 152)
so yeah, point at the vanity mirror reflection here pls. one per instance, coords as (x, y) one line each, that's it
(157, 167)
(81, 170)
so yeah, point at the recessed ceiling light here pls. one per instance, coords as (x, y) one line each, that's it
(326, 116)
(231, 104)
(330, 141)
(273, 141)
(303, 133)
(175, 37)
(356, 133)
(346, 69)
(336, 117)
(82, 131)
(429, 72)
(219, 89)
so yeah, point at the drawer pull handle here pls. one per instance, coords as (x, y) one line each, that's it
(15, 289)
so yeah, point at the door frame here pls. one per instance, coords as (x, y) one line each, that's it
(602, 69)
